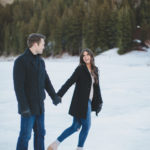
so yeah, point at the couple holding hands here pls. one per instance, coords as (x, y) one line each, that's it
(30, 82)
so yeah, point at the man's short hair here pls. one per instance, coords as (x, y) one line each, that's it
(34, 38)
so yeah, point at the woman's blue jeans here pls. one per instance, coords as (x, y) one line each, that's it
(77, 123)
(27, 124)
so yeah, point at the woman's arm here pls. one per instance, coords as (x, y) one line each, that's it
(69, 82)
(99, 97)
(50, 89)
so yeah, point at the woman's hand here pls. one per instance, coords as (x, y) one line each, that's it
(57, 100)
(99, 109)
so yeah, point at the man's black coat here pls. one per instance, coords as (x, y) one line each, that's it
(30, 82)
(79, 103)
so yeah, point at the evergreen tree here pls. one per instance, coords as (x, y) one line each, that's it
(126, 26)
(98, 26)
(144, 19)
(91, 25)
(43, 24)
(74, 44)
(7, 40)
(71, 25)
(144, 12)
(70, 33)
(33, 24)
(111, 28)
(91, 29)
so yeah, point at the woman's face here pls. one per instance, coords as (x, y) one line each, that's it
(86, 58)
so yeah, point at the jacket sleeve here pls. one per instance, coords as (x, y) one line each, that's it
(69, 82)
(19, 81)
(100, 101)
(49, 87)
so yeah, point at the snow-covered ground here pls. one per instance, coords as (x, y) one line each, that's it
(124, 122)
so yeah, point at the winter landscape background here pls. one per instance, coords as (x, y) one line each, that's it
(124, 122)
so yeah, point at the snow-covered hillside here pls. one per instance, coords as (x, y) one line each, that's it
(4, 2)
(124, 122)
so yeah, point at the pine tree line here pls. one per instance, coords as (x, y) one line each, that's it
(71, 25)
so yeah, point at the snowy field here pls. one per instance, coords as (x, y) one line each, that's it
(124, 122)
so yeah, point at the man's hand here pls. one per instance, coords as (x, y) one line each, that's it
(56, 100)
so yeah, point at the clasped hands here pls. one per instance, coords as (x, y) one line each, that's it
(56, 100)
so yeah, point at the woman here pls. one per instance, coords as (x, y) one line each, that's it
(86, 98)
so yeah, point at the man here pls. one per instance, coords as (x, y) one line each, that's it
(30, 81)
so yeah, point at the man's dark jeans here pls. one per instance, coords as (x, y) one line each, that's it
(27, 124)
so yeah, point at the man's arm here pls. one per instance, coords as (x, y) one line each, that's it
(51, 91)
(49, 87)
(19, 79)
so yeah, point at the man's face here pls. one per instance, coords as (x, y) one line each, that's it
(40, 47)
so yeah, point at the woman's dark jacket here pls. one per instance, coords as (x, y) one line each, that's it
(79, 103)
(30, 82)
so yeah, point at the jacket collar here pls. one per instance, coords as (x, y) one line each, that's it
(86, 69)
(30, 54)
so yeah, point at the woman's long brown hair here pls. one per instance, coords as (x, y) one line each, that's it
(94, 70)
